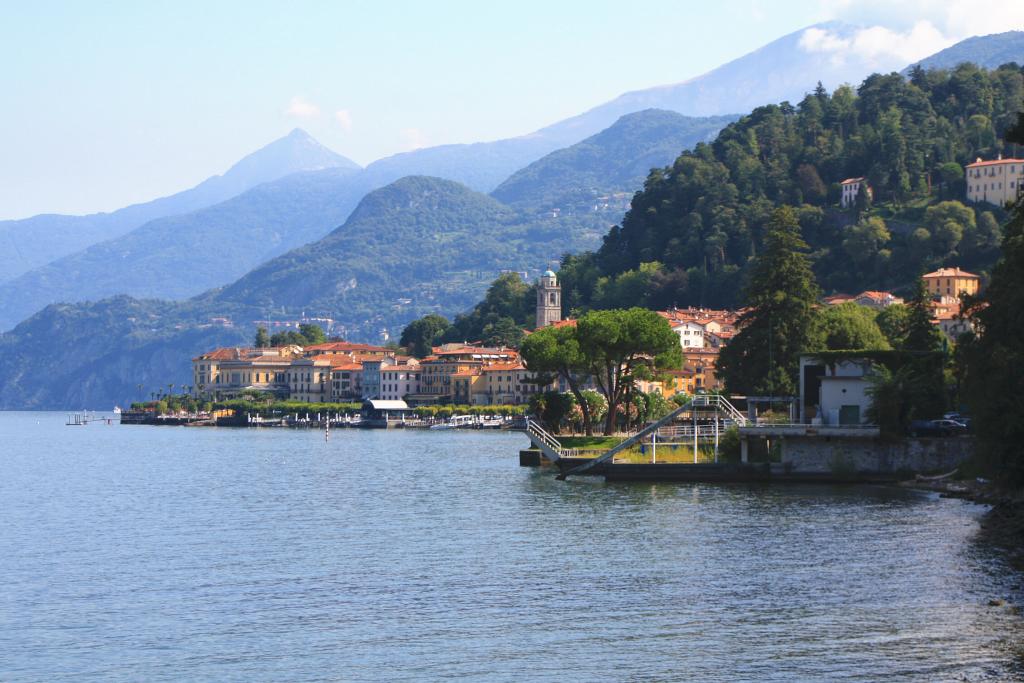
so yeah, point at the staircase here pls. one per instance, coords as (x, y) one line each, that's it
(547, 444)
(719, 403)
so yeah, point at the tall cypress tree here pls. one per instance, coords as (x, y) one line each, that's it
(922, 335)
(764, 357)
(994, 375)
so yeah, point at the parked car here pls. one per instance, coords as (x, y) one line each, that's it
(943, 427)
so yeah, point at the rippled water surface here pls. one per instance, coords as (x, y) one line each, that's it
(158, 554)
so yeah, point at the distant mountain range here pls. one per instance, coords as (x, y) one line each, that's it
(417, 245)
(179, 256)
(31, 242)
(985, 51)
(220, 243)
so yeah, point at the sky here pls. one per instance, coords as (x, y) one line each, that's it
(108, 103)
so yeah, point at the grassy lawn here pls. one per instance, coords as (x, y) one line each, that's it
(666, 454)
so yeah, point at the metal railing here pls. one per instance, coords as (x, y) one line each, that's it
(719, 403)
(548, 444)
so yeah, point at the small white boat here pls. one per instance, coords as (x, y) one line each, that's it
(456, 422)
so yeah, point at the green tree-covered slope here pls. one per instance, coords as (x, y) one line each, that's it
(615, 160)
(418, 245)
(692, 231)
(985, 51)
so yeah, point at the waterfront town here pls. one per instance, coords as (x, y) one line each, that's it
(468, 373)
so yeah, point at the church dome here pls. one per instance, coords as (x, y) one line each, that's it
(548, 273)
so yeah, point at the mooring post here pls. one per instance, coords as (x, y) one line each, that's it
(694, 413)
(716, 435)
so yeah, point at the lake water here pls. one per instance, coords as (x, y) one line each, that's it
(165, 554)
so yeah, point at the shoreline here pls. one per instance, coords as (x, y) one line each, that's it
(1001, 526)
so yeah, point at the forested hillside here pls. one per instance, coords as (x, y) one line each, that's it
(695, 226)
(615, 160)
(985, 51)
(417, 245)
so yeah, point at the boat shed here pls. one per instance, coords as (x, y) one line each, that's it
(384, 412)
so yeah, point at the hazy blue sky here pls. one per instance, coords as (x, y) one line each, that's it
(108, 103)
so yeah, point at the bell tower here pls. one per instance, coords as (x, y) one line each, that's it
(549, 300)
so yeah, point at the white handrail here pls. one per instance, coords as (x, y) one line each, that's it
(699, 401)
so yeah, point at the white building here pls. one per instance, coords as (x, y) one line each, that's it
(996, 182)
(851, 188)
(834, 393)
(399, 381)
(691, 334)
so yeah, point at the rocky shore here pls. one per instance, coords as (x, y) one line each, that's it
(1002, 526)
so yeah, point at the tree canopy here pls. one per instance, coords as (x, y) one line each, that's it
(554, 352)
(779, 325)
(307, 335)
(422, 334)
(994, 373)
(619, 346)
(700, 222)
(850, 326)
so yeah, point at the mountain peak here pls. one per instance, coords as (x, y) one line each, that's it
(296, 152)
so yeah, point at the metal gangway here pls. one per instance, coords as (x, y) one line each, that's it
(661, 431)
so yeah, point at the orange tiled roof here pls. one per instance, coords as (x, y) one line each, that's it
(224, 353)
(875, 295)
(503, 367)
(850, 181)
(995, 162)
(342, 346)
(950, 272)
(477, 350)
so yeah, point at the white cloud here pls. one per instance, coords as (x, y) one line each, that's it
(344, 119)
(820, 40)
(877, 46)
(413, 138)
(954, 19)
(893, 34)
(302, 108)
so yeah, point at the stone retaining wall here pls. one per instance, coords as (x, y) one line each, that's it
(839, 456)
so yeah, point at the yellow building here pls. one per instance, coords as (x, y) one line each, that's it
(951, 282)
(309, 379)
(226, 372)
(506, 384)
(996, 182)
(465, 360)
